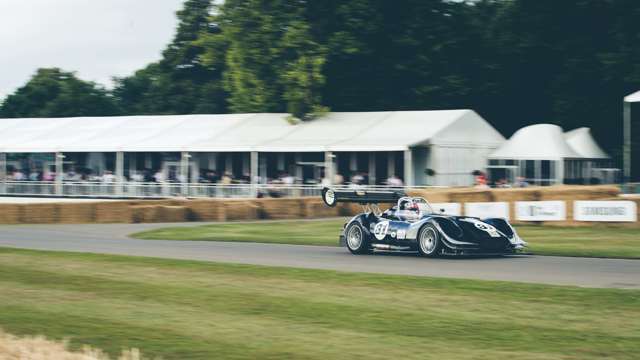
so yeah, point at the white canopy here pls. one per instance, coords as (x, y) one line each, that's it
(264, 132)
(536, 142)
(635, 97)
(584, 144)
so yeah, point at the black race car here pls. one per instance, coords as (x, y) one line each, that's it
(413, 225)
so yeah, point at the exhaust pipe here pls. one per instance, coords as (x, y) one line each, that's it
(390, 247)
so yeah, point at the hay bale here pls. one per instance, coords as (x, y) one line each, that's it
(38, 213)
(471, 195)
(577, 192)
(76, 213)
(144, 213)
(432, 195)
(206, 210)
(113, 212)
(286, 208)
(316, 208)
(239, 209)
(171, 213)
(9, 214)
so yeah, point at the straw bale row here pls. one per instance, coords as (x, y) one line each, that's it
(178, 210)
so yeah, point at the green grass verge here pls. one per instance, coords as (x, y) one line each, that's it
(595, 241)
(195, 310)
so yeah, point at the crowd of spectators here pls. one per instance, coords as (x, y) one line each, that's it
(207, 176)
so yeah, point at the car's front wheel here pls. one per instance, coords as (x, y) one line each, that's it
(356, 238)
(429, 243)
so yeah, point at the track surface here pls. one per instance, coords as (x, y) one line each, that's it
(112, 239)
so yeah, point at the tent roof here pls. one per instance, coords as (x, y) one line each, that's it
(340, 131)
(536, 142)
(584, 144)
(635, 97)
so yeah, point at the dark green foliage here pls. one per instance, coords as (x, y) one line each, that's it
(56, 93)
(517, 62)
(180, 83)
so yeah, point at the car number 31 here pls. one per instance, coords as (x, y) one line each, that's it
(381, 229)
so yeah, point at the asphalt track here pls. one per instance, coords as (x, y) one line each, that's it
(112, 239)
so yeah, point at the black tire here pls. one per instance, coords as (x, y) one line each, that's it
(356, 239)
(429, 242)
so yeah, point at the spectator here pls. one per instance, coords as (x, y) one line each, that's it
(338, 179)
(49, 176)
(480, 180)
(521, 182)
(18, 175)
(108, 177)
(288, 180)
(226, 179)
(34, 175)
(137, 177)
(158, 176)
(395, 181)
(357, 179)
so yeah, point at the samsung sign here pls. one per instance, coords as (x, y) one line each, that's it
(614, 211)
(541, 211)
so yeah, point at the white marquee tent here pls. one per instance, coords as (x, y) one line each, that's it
(451, 142)
(543, 154)
(584, 144)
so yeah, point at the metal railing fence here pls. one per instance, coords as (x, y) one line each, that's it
(87, 189)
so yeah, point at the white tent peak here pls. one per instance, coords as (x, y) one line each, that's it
(635, 97)
(536, 142)
(583, 143)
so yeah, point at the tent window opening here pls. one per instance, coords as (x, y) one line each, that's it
(529, 169)
(545, 168)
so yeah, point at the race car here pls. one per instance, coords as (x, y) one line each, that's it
(411, 224)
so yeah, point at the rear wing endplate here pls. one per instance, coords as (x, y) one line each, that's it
(332, 197)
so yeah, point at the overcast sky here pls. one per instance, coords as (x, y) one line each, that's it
(96, 38)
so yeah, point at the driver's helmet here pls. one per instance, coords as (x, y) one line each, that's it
(404, 205)
(408, 210)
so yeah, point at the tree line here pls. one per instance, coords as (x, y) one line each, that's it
(516, 62)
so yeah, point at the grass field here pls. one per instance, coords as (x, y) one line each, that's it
(596, 241)
(192, 310)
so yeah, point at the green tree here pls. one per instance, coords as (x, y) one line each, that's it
(273, 63)
(56, 93)
(180, 83)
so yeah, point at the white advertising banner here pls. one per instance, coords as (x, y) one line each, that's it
(614, 211)
(541, 211)
(449, 208)
(487, 209)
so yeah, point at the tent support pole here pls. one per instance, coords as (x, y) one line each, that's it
(328, 167)
(3, 172)
(391, 164)
(372, 168)
(184, 172)
(560, 172)
(120, 173)
(626, 148)
(408, 168)
(59, 173)
(254, 173)
(298, 168)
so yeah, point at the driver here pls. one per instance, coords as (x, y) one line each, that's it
(409, 209)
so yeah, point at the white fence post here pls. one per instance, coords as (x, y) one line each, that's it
(119, 173)
(59, 172)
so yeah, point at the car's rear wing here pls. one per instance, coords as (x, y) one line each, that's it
(332, 197)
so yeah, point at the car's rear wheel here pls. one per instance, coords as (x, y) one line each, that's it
(429, 243)
(357, 241)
